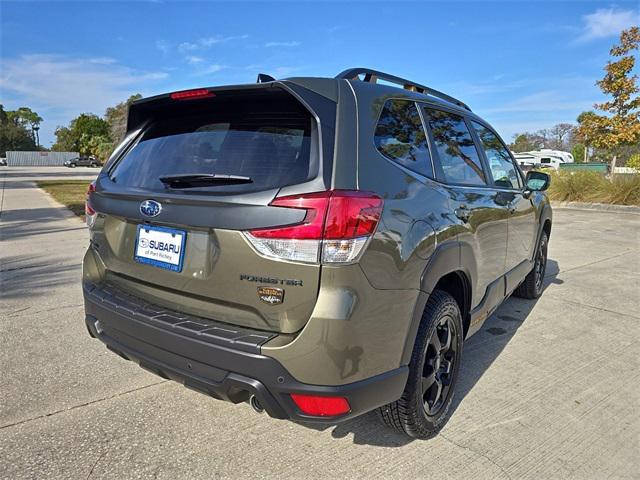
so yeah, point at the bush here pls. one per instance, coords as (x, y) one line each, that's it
(623, 190)
(634, 162)
(593, 187)
(578, 153)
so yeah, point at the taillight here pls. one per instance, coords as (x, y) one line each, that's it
(90, 213)
(335, 229)
(320, 406)
(192, 94)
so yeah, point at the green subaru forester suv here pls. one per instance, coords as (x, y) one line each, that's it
(316, 247)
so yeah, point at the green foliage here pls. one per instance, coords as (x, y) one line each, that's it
(79, 136)
(64, 140)
(14, 132)
(593, 187)
(524, 142)
(99, 146)
(26, 117)
(578, 152)
(116, 117)
(90, 134)
(634, 162)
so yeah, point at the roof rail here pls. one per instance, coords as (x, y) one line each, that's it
(371, 76)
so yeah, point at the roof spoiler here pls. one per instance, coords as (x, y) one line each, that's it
(372, 76)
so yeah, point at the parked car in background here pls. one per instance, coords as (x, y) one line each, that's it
(3, 162)
(316, 247)
(83, 162)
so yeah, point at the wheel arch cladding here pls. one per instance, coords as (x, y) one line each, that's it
(443, 272)
(458, 286)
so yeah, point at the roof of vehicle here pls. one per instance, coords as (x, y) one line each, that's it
(360, 79)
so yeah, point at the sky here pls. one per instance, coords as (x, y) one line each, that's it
(520, 65)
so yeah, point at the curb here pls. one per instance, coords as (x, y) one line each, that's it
(599, 207)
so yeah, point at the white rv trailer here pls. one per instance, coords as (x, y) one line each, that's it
(543, 158)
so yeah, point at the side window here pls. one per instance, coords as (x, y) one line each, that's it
(503, 170)
(400, 136)
(458, 156)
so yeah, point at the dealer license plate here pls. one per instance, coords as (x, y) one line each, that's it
(161, 247)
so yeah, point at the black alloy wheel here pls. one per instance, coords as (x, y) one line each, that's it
(440, 358)
(533, 284)
(541, 263)
(425, 405)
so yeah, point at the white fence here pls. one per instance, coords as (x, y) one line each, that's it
(625, 170)
(39, 159)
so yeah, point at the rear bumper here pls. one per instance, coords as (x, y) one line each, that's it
(215, 359)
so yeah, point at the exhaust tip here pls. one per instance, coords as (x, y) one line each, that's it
(255, 404)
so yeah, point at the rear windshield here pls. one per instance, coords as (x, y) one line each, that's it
(269, 141)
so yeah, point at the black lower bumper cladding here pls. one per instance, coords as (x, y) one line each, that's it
(217, 359)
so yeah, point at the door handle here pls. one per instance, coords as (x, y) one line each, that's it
(463, 213)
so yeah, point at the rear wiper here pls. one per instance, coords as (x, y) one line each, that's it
(192, 180)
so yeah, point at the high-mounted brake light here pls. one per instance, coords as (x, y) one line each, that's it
(319, 406)
(337, 225)
(192, 94)
(89, 212)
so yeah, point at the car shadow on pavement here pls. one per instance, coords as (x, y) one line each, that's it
(28, 276)
(480, 351)
(28, 229)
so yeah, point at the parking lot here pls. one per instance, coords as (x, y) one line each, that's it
(548, 389)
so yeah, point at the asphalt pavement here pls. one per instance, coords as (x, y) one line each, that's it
(548, 388)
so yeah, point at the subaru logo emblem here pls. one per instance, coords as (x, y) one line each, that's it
(150, 208)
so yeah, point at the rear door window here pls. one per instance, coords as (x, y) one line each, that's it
(400, 136)
(503, 170)
(458, 158)
(269, 142)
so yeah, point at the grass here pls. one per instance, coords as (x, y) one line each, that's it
(593, 187)
(71, 193)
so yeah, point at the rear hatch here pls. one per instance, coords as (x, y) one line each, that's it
(199, 170)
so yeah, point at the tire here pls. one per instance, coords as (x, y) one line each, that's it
(72, 165)
(94, 165)
(422, 413)
(533, 283)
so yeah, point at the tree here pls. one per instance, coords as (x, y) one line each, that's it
(526, 142)
(117, 118)
(90, 134)
(77, 136)
(28, 119)
(584, 135)
(64, 140)
(579, 152)
(560, 135)
(619, 124)
(542, 138)
(101, 147)
(14, 135)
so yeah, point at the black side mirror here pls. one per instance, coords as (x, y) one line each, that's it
(537, 181)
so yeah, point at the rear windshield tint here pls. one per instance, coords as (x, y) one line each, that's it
(269, 141)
